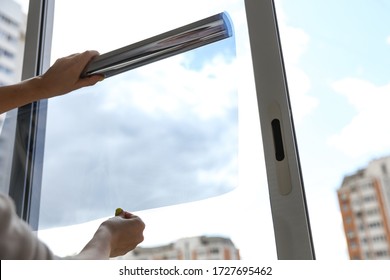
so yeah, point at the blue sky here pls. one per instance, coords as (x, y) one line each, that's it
(347, 34)
(346, 39)
(347, 48)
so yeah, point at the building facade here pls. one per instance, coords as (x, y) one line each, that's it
(192, 248)
(364, 199)
(12, 41)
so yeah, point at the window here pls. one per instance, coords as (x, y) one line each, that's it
(5, 70)
(351, 234)
(369, 198)
(344, 196)
(332, 108)
(375, 224)
(372, 211)
(214, 251)
(7, 19)
(384, 168)
(379, 238)
(168, 130)
(381, 253)
(6, 53)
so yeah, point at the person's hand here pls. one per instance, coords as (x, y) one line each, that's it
(126, 232)
(64, 75)
(114, 237)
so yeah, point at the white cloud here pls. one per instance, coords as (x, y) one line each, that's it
(295, 42)
(299, 86)
(367, 132)
(181, 87)
(388, 40)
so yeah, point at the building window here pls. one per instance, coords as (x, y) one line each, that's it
(369, 198)
(372, 211)
(6, 53)
(379, 238)
(343, 196)
(5, 70)
(7, 37)
(384, 168)
(375, 224)
(8, 21)
(214, 251)
(381, 253)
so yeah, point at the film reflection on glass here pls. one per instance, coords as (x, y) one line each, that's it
(179, 40)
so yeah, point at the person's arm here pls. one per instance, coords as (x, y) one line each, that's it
(17, 241)
(62, 77)
(115, 237)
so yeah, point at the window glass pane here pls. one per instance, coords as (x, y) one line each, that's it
(337, 58)
(177, 127)
(162, 134)
(13, 18)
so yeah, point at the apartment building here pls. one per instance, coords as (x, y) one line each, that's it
(12, 41)
(191, 248)
(364, 199)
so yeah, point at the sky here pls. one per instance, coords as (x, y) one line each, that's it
(336, 56)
